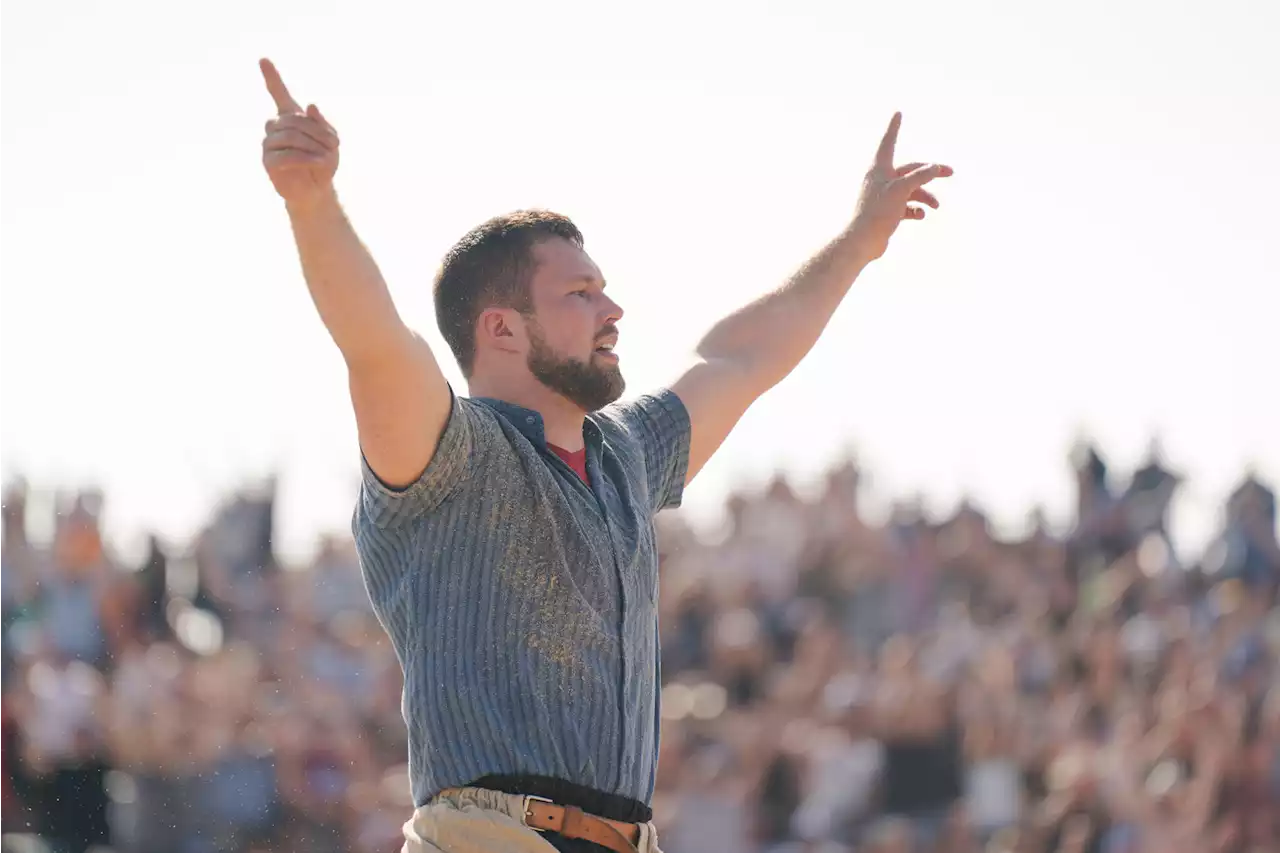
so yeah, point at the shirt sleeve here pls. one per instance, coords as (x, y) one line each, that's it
(661, 424)
(386, 507)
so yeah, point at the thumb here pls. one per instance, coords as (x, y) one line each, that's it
(313, 112)
(920, 176)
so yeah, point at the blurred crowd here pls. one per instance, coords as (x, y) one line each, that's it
(831, 683)
(206, 701)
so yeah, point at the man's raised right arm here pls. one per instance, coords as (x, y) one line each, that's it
(401, 399)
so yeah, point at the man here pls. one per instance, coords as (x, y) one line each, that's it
(507, 538)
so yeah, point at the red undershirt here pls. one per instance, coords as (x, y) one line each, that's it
(577, 460)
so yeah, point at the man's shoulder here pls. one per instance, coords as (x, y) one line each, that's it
(473, 407)
(621, 423)
(486, 424)
(476, 440)
(653, 422)
(493, 438)
(634, 414)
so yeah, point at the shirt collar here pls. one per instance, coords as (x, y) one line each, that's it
(530, 423)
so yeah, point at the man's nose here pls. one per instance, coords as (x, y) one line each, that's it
(613, 311)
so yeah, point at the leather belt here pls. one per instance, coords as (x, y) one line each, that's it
(572, 822)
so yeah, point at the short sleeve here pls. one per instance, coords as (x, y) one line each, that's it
(387, 507)
(661, 423)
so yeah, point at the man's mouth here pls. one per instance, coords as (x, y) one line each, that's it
(605, 347)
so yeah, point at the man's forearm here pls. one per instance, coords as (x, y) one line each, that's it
(769, 337)
(346, 286)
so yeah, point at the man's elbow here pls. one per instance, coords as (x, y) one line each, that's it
(757, 365)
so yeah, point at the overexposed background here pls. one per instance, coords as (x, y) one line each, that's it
(1105, 260)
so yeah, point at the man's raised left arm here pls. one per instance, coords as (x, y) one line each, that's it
(754, 348)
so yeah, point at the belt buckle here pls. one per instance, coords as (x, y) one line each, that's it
(526, 813)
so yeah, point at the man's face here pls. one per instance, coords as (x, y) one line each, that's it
(572, 329)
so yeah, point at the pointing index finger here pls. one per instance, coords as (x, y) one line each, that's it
(285, 103)
(884, 156)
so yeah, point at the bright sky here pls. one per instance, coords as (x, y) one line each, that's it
(1106, 256)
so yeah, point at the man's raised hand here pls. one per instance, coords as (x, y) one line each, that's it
(891, 194)
(300, 150)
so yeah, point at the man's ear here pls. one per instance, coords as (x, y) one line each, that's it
(501, 329)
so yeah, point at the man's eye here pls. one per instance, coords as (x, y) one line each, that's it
(584, 293)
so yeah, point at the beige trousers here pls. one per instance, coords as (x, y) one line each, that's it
(474, 820)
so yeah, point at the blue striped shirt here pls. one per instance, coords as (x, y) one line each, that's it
(522, 603)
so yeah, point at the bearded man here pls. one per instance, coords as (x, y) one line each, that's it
(507, 537)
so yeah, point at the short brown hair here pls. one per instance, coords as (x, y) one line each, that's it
(491, 265)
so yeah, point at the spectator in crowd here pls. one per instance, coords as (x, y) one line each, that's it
(831, 684)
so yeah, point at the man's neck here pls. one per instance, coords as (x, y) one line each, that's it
(561, 420)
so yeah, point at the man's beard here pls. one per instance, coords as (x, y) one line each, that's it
(585, 384)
